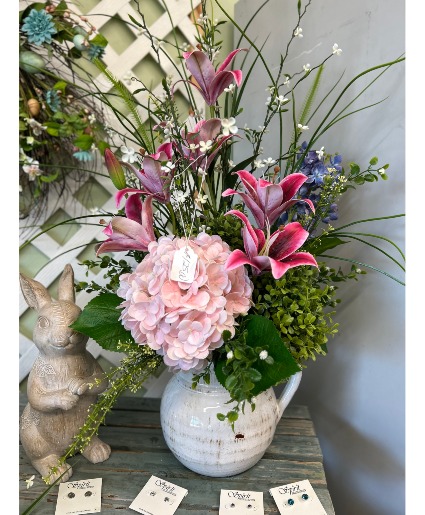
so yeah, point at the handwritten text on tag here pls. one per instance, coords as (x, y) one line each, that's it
(184, 265)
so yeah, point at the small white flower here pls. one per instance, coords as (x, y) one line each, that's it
(205, 146)
(381, 171)
(168, 167)
(270, 89)
(231, 163)
(327, 269)
(230, 355)
(185, 47)
(282, 100)
(320, 153)
(201, 199)
(263, 355)
(230, 89)
(268, 101)
(258, 163)
(302, 127)
(91, 118)
(331, 288)
(306, 67)
(30, 482)
(246, 128)
(36, 127)
(193, 147)
(229, 126)
(336, 50)
(180, 196)
(128, 154)
(287, 82)
(202, 171)
(32, 169)
(30, 140)
(298, 32)
(95, 211)
(269, 161)
(358, 270)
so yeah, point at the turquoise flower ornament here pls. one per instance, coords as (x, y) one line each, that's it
(39, 27)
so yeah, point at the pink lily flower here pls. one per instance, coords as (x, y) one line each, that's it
(276, 253)
(133, 232)
(155, 177)
(206, 131)
(211, 83)
(267, 201)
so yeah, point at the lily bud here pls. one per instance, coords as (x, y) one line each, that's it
(116, 173)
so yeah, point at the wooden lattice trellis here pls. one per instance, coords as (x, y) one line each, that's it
(56, 251)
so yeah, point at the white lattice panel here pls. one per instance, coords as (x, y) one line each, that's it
(121, 65)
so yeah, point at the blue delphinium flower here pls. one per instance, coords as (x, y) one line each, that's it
(83, 156)
(53, 100)
(95, 51)
(332, 215)
(39, 27)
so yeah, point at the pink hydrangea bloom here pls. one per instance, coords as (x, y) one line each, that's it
(184, 322)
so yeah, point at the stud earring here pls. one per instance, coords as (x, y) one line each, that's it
(88, 493)
(291, 502)
(304, 497)
(152, 493)
(71, 495)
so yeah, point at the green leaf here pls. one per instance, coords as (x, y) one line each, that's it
(319, 245)
(61, 86)
(99, 40)
(100, 320)
(373, 161)
(261, 329)
(84, 142)
(49, 178)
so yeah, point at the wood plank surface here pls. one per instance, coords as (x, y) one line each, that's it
(139, 451)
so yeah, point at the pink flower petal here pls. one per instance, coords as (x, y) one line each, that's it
(287, 241)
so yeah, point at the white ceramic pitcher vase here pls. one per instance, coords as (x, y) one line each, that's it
(208, 446)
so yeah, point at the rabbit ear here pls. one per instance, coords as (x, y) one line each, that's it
(66, 284)
(35, 294)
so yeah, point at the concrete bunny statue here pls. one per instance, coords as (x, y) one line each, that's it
(58, 384)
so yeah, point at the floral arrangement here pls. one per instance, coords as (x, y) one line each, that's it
(61, 128)
(223, 266)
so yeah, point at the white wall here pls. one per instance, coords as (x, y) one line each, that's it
(356, 393)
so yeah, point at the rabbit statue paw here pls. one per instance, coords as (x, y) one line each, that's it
(64, 381)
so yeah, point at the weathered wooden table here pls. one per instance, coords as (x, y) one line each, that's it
(139, 451)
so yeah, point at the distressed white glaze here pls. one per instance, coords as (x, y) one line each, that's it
(204, 444)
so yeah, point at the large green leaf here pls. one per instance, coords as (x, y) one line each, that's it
(262, 330)
(319, 245)
(99, 320)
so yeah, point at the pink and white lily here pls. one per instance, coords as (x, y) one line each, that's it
(133, 232)
(154, 176)
(267, 201)
(204, 131)
(212, 83)
(277, 252)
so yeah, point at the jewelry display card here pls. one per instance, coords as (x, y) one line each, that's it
(238, 502)
(297, 499)
(158, 497)
(79, 497)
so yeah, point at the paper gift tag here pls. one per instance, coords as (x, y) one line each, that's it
(76, 497)
(184, 265)
(238, 502)
(297, 499)
(158, 497)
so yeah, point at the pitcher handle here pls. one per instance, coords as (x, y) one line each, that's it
(288, 392)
